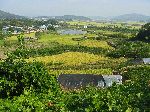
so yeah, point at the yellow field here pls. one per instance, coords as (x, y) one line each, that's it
(101, 24)
(67, 40)
(95, 43)
(62, 39)
(90, 71)
(70, 58)
(13, 38)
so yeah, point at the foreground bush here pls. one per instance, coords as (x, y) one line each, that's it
(29, 87)
(144, 33)
(131, 50)
(17, 75)
(26, 53)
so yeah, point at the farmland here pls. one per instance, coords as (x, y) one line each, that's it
(30, 68)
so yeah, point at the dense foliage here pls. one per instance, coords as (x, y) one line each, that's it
(31, 88)
(19, 75)
(114, 29)
(57, 50)
(131, 50)
(26, 22)
(144, 34)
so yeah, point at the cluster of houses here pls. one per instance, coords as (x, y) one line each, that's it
(15, 30)
(18, 30)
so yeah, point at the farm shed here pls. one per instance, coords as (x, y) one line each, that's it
(140, 61)
(75, 81)
(146, 60)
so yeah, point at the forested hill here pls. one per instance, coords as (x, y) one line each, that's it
(65, 17)
(72, 17)
(132, 17)
(6, 15)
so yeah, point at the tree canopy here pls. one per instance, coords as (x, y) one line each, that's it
(144, 33)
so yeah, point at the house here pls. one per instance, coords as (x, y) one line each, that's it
(140, 61)
(43, 27)
(110, 79)
(76, 81)
(5, 29)
(85, 26)
(146, 60)
(72, 32)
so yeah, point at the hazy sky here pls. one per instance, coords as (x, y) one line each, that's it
(75, 7)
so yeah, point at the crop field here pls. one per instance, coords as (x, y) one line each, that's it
(30, 68)
(68, 40)
(75, 59)
(14, 38)
(102, 24)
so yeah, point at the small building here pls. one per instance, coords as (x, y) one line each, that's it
(43, 27)
(76, 81)
(146, 60)
(140, 61)
(85, 26)
(72, 32)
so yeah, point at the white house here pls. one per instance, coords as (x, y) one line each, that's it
(43, 27)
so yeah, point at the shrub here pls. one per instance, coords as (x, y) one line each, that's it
(131, 50)
(17, 75)
(144, 33)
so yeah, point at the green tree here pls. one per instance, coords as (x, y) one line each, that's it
(51, 28)
(144, 34)
(21, 41)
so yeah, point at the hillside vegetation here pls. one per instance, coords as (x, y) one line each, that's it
(29, 69)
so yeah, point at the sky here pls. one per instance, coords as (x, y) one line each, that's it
(105, 8)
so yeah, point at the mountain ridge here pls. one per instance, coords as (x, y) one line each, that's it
(7, 15)
(132, 17)
(124, 17)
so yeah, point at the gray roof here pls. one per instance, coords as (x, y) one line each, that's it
(146, 60)
(73, 81)
(72, 32)
(110, 79)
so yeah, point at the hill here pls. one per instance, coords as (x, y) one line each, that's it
(65, 17)
(72, 17)
(6, 15)
(132, 17)
(98, 18)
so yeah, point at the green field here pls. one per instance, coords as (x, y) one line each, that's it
(14, 38)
